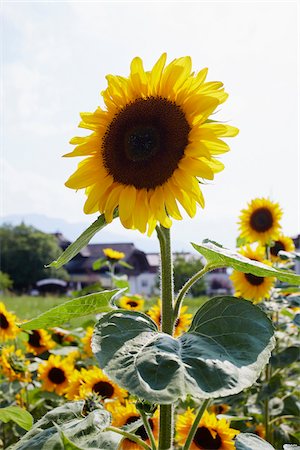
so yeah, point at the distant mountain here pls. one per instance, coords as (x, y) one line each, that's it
(72, 230)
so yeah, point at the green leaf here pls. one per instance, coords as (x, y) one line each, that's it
(78, 432)
(18, 415)
(99, 263)
(285, 358)
(224, 351)
(220, 256)
(268, 389)
(78, 307)
(125, 264)
(249, 441)
(81, 242)
(121, 281)
(289, 255)
(297, 320)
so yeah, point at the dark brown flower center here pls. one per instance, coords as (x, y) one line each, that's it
(35, 339)
(261, 220)
(4, 324)
(141, 431)
(104, 389)
(132, 303)
(145, 142)
(276, 248)
(203, 439)
(56, 375)
(253, 279)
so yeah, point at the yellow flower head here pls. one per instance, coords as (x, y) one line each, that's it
(14, 364)
(113, 255)
(39, 341)
(8, 327)
(86, 340)
(260, 221)
(152, 144)
(133, 302)
(248, 286)
(94, 380)
(182, 323)
(284, 243)
(220, 408)
(124, 414)
(55, 374)
(72, 391)
(211, 432)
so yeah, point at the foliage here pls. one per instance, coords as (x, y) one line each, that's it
(25, 251)
(5, 281)
(184, 269)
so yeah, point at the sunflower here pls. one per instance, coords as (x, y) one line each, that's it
(55, 374)
(39, 341)
(260, 221)
(72, 391)
(14, 364)
(8, 327)
(211, 432)
(249, 286)
(133, 302)
(125, 414)
(86, 340)
(284, 243)
(152, 145)
(94, 380)
(220, 408)
(182, 323)
(113, 255)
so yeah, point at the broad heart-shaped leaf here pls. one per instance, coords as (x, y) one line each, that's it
(78, 307)
(18, 415)
(249, 441)
(220, 256)
(229, 342)
(67, 420)
(81, 242)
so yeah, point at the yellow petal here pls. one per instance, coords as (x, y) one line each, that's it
(156, 73)
(112, 202)
(127, 202)
(89, 172)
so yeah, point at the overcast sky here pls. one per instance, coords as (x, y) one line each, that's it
(56, 56)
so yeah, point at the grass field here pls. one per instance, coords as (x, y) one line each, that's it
(27, 307)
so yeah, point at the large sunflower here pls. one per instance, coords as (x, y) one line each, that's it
(211, 432)
(39, 341)
(260, 221)
(94, 380)
(125, 414)
(284, 243)
(152, 145)
(182, 323)
(8, 327)
(55, 374)
(247, 285)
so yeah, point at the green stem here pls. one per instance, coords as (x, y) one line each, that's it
(182, 293)
(130, 436)
(284, 418)
(166, 420)
(194, 427)
(148, 429)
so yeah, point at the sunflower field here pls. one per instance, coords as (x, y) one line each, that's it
(152, 375)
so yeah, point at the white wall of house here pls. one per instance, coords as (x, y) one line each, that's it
(143, 284)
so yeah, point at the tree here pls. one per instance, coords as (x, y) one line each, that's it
(24, 253)
(185, 269)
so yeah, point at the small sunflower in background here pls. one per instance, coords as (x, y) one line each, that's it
(220, 408)
(72, 391)
(153, 144)
(127, 413)
(113, 255)
(8, 327)
(182, 323)
(55, 374)
(132, 302)
(260, 221)
(211, 433)
(249, 286)
(39, 341)
(94, 380)
(14, 365)
(283, 243)
(86, 340)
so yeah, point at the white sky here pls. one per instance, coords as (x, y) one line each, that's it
(55, 58)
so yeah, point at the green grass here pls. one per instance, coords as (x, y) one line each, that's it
(27, 307)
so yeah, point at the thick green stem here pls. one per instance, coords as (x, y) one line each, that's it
(130, 436)
(166, 420)
(194, 427)
(148, 429)
(182, 293)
